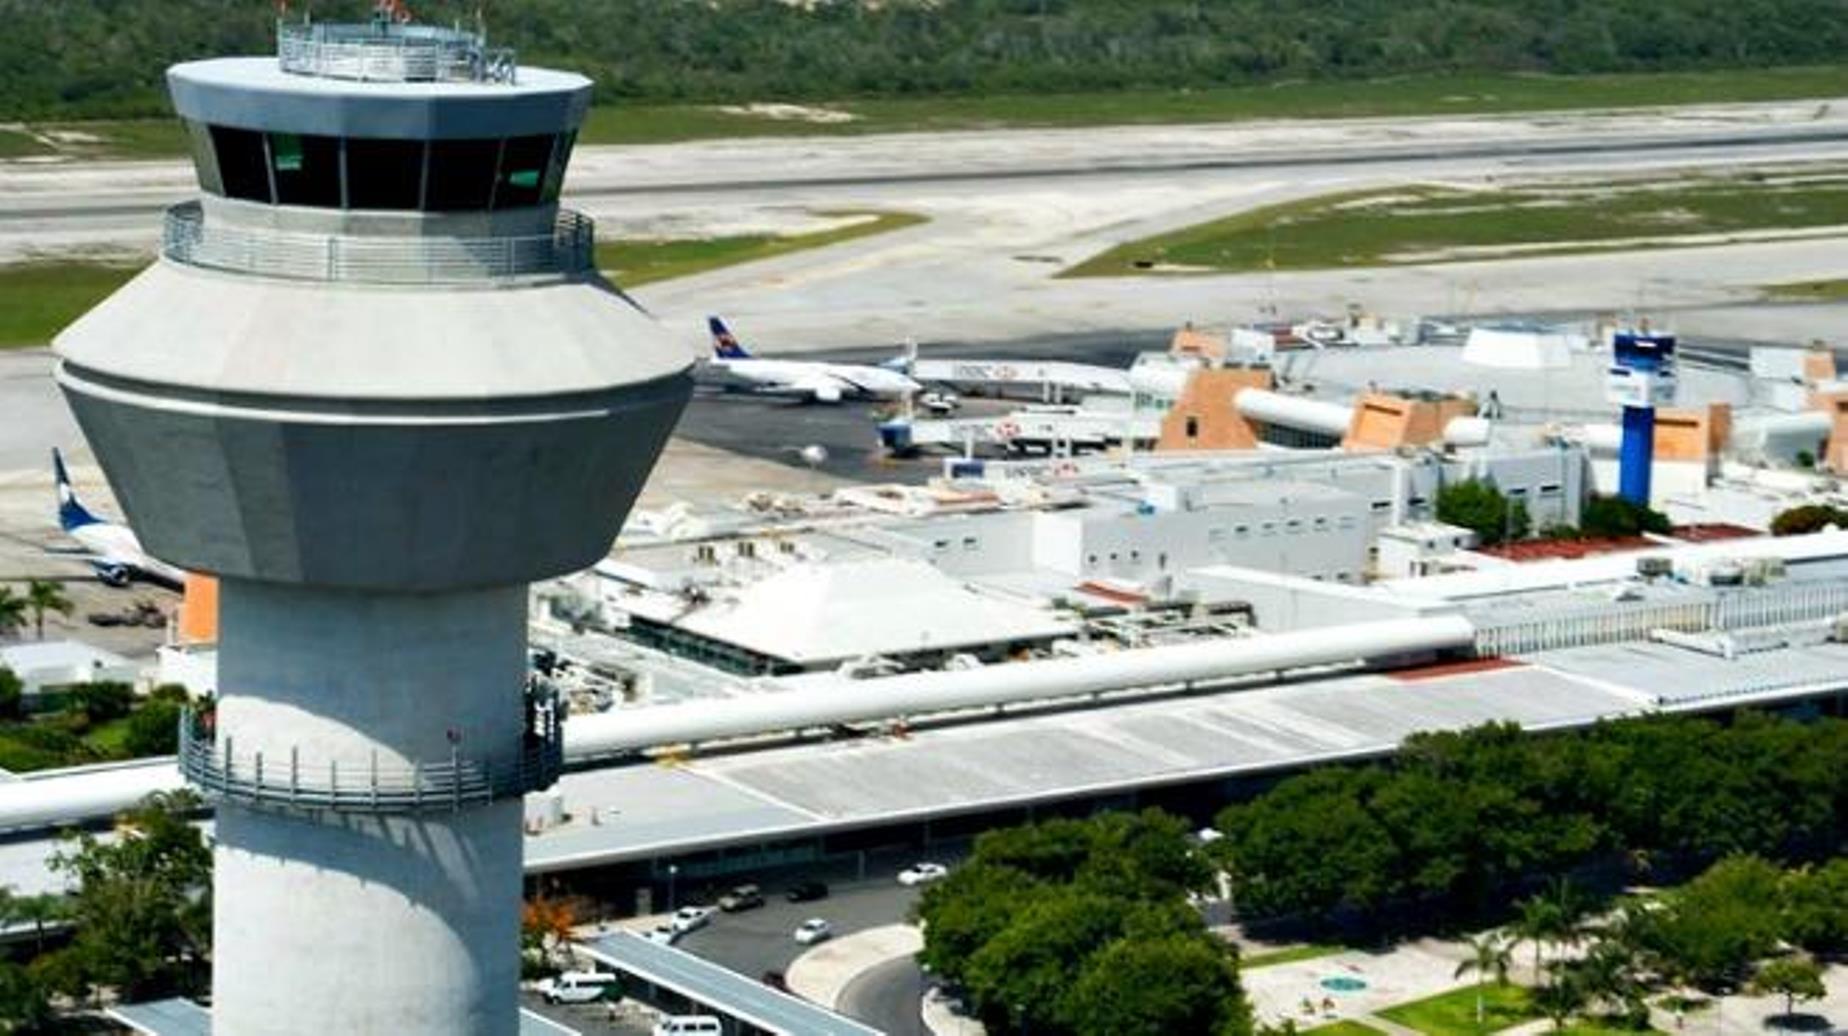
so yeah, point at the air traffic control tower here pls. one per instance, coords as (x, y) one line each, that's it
(376, 386)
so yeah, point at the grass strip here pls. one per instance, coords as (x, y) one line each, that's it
(631, 263)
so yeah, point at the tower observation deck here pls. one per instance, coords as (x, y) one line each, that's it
(375, 384)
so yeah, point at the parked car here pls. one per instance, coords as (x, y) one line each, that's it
(577, 987)
(939, 401)
(689, 1025)
(663, 933)
(688, 918)
(775, 980)
(744, 897)
(813, 930)
(806, 892)
(922, 873)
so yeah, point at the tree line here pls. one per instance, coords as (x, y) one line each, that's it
(82, 58)
(1456, 823)
(1084, 928)
(1087, 926)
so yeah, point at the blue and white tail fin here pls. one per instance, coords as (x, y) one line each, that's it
(724, 344)
(71, 512)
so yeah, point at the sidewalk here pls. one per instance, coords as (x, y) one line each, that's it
(823, 973)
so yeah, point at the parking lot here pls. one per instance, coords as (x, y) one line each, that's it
(762, 940)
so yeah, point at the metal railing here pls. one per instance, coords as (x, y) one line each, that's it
(570, 249)
(1612, 622)
(215, 767)
(385, 52)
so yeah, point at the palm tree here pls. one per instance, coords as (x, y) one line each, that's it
(1561, 998)
(1539, 918)
(12, 610)
(1490, 954)
(1552, 917)
(43, 595)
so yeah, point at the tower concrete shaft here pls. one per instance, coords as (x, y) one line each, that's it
(374, 384)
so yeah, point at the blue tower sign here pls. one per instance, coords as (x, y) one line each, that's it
(1642, 374)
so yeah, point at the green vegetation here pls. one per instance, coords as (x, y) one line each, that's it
(1082, 927)
(1808, 291)
(140, 911)
(1439, 224)
(1290, 955)
(1807, 518)
(632, 263)
(1450, 828)
(85, 723)
(41, 298)
(1455, 1012)
(1611, 516)
(99, 58)
(16, 144)
(1344, 1028)
(1481, 508)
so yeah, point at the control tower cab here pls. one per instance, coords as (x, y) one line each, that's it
(1641, 377)
(375, 384)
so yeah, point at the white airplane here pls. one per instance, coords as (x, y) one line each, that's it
(732, 368)
(114, 551)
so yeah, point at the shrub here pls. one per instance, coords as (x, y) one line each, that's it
(1801, 521)
(1610, 516)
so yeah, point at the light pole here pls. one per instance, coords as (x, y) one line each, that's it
(672, 870)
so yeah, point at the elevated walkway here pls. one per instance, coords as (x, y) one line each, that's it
(677, 980)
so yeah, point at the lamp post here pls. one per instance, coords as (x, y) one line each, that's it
(672, 870)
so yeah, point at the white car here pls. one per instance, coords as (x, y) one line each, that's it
(939, 401)
(813, 930)
(663, 933)
(922, 873)
(578, 987)
(688, 918)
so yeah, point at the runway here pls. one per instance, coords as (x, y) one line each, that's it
(1009, 209)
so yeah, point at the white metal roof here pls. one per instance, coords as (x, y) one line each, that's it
(813, 613)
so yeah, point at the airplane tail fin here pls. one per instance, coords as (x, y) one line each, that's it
(724, 344)
(71, 512)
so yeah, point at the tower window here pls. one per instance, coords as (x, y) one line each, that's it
(241, 163)
(384, 174)
(523, 168)
(307, 169)
(461, 174)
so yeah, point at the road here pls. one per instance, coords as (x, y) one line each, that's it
(887, 998)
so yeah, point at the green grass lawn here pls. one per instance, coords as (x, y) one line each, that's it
(1344, 1028)
(38, 299)
(14, 144)
(631, 263)
(660, 123)
(109, 740)
(1454, 1013)
(1809, 291)
(1434, 224)
(1289, 955)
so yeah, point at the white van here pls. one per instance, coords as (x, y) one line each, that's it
(577, 987)
(688, 1025)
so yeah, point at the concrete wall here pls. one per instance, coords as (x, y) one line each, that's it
(415, 918)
